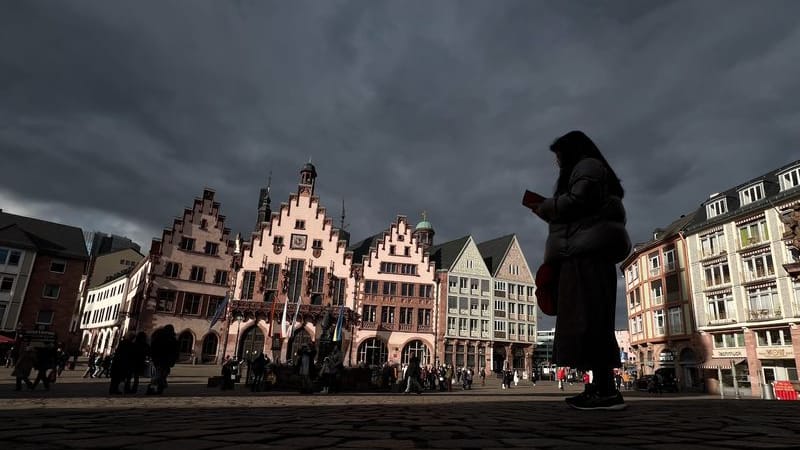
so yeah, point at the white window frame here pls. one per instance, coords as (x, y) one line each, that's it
(752, 193)
(676, 321)
(751, 269)
(657, 292)
(790, 178)
(717, 276)
(753, 233)
(717, 208)
(655, 263)
(712, 243)
(720, 307)
(58, 261)
(669, 260)
(659, 322)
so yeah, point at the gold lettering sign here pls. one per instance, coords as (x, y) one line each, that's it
(780, 352)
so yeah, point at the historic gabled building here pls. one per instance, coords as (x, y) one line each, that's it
(295, 255)
(465, 335)
(189, 277)
(659, 304)
(747, 303)
(42, 266)
(514, 302)
(396, 296)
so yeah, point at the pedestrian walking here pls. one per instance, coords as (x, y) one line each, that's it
(122, 363)
(413, 372)
(164, 355)
(586, 238)
(140, 353)
(258, 366)
(45, 362)
(23, 367)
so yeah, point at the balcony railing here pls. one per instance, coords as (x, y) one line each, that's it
(424, 328)
(404, 327)
(658, 299)
(752, 241)
(655, 271)
(710, 252)
(725, 321)
(369, 325)
(749, 276)
(388, 326)
(669, 266)
(485, 313)
(755, 315)
(499, 334)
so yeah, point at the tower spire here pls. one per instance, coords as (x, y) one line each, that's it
(341, 224)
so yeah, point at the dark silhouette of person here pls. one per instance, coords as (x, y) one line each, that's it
(121, 363)
(45, 361)
(586, 239)
(139, 354)
(164, 355)
(259, 367)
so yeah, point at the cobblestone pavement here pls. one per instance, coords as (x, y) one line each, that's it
(75, 413)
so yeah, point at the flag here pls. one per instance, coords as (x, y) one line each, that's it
(272, 316)
(294, 321)
(284, 331)
(337, 332)
(220, 310)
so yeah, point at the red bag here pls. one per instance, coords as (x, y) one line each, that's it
(547, 288)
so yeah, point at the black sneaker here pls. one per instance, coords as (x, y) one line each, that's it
(587, 391)
(592, 401)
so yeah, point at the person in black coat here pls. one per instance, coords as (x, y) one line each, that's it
(164, 355)
(121, 363)
(586, 238)
(140, 352)
(45, 362)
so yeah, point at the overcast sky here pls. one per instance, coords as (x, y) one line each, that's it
(115, 115)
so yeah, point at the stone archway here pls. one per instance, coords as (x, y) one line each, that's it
(373, 352)
(185, 345)
(499, 358)
(251, 343)
(690, 374)
(210, 345)
(416, 348)
(299, 338)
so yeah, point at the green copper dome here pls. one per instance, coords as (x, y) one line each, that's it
(424, 225)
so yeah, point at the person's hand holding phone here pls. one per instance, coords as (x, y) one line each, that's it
(532, 200)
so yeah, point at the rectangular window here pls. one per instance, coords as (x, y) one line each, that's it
(339, 289)
(657, 292)
(451, 325)
(318, 280)
(316, 244)
(499, 305)
(191, 304)
(6, 283)
(790, 179)
(211, 248)
(44, 318)
(408, 269)
(499, 289)
(712, 244)
(763, 303)
(14, 257)
(473, 306)
(406, 316)
(3, 256)
(406, 289)
(248, 284)
(774, 337)
(187, 244)
(58, 266)
(389, 288)
(299, 224)
(675, 321)
(758, 266)
(673, 288)
(751, 194)
(172, 270)
(721, 307)
(51, 291)
(729, 340)
(425, 290)
(452, 304)
(716, 208)
(277, 240)
(452, 283)
(499, 325)
(166, 301)
(213, 304)
(424, 317)
(198, 274)
(387, 314)
(296, 268)
(371, 287)
(407, 251)
(369, 313)
(717, 274)
(392, 249)
(388, 267)
(462, 325)
(271, 279)
(660, 323)
(655, 263)
(669, 260)
(753, 233)
(221, 277)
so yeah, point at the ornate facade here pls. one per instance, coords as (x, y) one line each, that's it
(296, 261)
(190, 276)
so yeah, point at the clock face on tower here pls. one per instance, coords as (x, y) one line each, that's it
(298, 241)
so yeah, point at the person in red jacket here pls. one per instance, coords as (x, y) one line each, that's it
(561, 376)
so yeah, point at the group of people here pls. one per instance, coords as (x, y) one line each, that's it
(44, 359)
(430, 378)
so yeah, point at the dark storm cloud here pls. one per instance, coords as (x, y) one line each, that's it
(115, 115)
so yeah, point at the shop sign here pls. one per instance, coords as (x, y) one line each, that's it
(666, 356)
(732, 353)
(774, 352)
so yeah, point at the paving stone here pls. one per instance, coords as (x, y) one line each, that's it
(173, 444)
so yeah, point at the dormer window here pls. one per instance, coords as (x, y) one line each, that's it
(790, 179)
(751, 194)
(717, 208)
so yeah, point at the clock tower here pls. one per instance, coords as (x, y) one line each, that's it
(308, 178)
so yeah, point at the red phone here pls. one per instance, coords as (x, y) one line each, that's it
(531, 198)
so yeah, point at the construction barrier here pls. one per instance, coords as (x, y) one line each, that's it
(784, 390)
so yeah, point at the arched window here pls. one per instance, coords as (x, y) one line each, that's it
(416, 348)
(210, 347)
(251, 343)
(185, 344)
(373, 352)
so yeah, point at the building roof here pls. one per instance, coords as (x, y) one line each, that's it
(494, 251)
(772, 194)
(362, 248)
(446, 253)
(46, 237)
(660, 235)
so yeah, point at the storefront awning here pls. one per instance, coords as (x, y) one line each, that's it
(721, 363)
